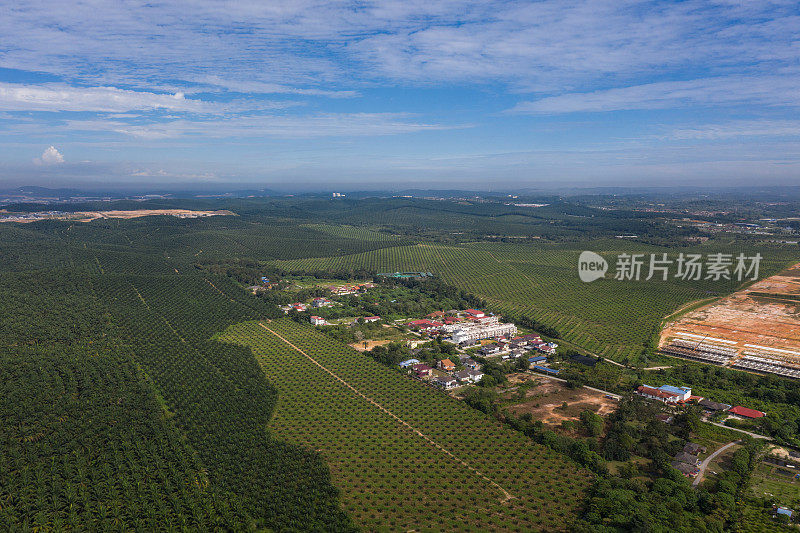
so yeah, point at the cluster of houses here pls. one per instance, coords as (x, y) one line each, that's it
(316, 303)
(518, 347)
(464, 328)
(319, 321)
(445, 375)
(682, 395)
(687, 461)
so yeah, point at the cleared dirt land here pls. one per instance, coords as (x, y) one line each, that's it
(766, 313)
(544, 399)
(88, 216)
(370, 344)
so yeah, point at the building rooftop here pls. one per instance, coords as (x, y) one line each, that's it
(680, 391)
(746, 412)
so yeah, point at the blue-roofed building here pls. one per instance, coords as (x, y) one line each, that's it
(682, 393)
(408, 363)
(784, 511)
(537, 359)
(545, 369)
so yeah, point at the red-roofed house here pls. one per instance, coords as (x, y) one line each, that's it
(447, 365)
(655, 394)
(746, 412)
(318, 321)
(424, 324)
(421, 369)
(474, 313)
(371, 318)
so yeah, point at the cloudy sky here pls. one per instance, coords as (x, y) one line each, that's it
(400, 93)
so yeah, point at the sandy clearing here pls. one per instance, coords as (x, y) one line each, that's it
(762, 314)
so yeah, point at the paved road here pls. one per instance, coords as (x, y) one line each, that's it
(754, 435)
(708, 460)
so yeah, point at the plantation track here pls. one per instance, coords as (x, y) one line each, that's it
(506, 495)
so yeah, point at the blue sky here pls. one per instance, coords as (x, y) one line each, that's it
(370, 95)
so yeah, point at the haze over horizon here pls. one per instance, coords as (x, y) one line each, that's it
(386, 95)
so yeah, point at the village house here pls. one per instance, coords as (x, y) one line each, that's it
(421, 370)
(694, 448)
(713, 407)
(321, 302)
(318, 321)
(371, 318)
(445, 382)
(685, 469)
(408, 362)
(746, 412)
(447, 365)
(470, 363)
(687, 458)
(475, 375)
(463, 376)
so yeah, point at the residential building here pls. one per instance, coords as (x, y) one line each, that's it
(445, 382)
(321, 302)
(746, 412)
(685, 469)
(687, 458)
(421, 370)
(371, 318)
(462, 376)
(424, 325)
(471, 333)
(470, 363)
(318, 321)
(475, 375)
(409, 362)
(708, 405)
(447, 365)
(694, 448)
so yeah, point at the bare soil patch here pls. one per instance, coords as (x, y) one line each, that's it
(370, 344)
(544, 400)
(767, 313)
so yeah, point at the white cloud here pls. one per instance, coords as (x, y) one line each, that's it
(259, 87)
(51, 156)
(738, 128)
(734, 90)
(61, 97)
(305, 46)
(297, 127)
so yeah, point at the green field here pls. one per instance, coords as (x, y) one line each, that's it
(407, 456)
(141, 393)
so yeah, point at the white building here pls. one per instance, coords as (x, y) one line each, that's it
(468, 333)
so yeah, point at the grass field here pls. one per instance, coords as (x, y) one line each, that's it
(406, 456)
(608, 317)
